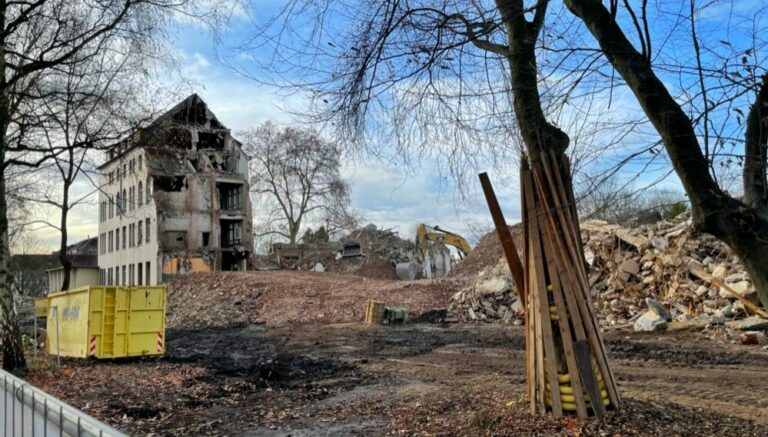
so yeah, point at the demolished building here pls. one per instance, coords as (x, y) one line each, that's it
(174, 199)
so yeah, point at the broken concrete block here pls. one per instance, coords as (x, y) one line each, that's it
(650, 322)
(743, 289)
(658, 308)
(630, 266)
(752, 323)
(659, 242)
(720, 271)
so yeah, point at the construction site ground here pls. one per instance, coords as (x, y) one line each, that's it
(337, 377)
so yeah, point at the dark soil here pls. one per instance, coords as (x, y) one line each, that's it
(416, 379)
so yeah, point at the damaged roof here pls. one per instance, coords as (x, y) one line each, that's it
(169, 127)
(192, 110)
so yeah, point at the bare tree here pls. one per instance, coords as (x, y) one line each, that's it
(90, 104)
(740, 223)
(444, 79)
(36, 39)
(295, 177)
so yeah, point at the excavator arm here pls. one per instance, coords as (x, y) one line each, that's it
(441, 236)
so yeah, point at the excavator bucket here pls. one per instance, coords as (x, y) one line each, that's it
(351, 250)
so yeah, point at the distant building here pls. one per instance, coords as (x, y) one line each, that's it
(84, 272)
(174, 199)
(89, 246)
(36, 275)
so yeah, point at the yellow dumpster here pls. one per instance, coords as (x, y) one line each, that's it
(106, 322)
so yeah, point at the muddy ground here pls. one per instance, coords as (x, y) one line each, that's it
(436, 379)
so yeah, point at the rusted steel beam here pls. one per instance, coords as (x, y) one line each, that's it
(505, 236)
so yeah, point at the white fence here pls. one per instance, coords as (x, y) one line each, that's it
(28, 411)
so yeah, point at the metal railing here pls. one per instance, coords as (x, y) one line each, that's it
(29, 411)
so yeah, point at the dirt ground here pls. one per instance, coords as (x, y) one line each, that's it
(223, 298)
(416, 379)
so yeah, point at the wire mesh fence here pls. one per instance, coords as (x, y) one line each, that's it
(29, 411)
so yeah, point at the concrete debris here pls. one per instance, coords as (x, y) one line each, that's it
(662, 266)
(490, 297)
(752, 323)
(671, 257)
(650, 321)
(368, 251)
(658, 308)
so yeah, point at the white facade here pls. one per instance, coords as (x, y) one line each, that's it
(128, 248)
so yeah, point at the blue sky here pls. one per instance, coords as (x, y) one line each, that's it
(387, 195)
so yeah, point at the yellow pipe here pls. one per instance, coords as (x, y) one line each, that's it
(568, 390)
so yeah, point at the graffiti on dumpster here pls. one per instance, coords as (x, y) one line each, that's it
(70, 313)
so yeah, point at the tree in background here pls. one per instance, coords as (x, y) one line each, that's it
(89, 105)
(463, 80)
(295, 178)
(628, 205)
(318, 236)
(37, 38)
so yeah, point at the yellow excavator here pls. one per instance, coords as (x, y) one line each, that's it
(409, 270)
(441, 236)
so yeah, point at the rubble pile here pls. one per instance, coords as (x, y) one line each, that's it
(629, 270)
(486, 253)
(226, 298)
(490, 297)
(383, 244)
(490, 293)
(668, 262)
(379, 251)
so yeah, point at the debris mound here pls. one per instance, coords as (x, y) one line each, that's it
(234, 298)
(490, 293)
(378, 251)
(486, 253)
(489, 297)
(668, 261)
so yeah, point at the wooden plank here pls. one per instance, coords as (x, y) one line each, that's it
(565, 327)
(580, 286)
(505, 236)
(543, 176)
(538, 340)
(717, 282)
(529, 357)
(596, 338)
(584, 362)
(535, 303)
(543, 314)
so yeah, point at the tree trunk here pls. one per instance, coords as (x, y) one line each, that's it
(10, 334)
(538, 134)
(293, 230)
(755, 145)
(66, 264)
(742, 228)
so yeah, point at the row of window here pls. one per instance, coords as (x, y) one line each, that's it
(127, 168)
(126, 200)
(127, 275)
(133, 235)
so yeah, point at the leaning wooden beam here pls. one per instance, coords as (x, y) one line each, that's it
(717, 282)
(507, 242)
(568, 369)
